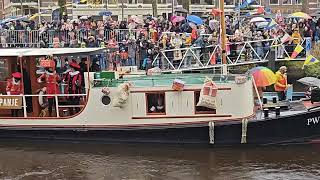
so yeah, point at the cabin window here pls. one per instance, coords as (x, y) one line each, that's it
(155, 103)
(200, 109)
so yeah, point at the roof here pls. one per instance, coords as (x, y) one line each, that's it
(5, 52)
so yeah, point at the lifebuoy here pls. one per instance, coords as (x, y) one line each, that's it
(43, 102)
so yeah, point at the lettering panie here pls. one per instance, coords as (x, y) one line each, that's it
(10, 102)
(314, 120)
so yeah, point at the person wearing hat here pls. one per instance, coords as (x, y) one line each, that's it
(15, 87)
(73, 79)
(51, 79)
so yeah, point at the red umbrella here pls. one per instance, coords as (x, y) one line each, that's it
(216, 12)
(176, 19)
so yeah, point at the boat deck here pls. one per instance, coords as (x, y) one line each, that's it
(287, 108)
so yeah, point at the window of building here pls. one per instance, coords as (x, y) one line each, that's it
(209, 2)
(274, 1)
(195, 1)
(199, 109)
(162, 1)
(229, 2)
(257, 2)
(286, 2)
(156, 103)
(298, 1)
(112, 1)
(147, 1)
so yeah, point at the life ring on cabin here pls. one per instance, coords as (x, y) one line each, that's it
(43, 100)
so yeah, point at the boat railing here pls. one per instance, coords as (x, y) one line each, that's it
(57, 102)
(166, 80)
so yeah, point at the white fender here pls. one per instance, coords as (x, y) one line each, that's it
(42, 99)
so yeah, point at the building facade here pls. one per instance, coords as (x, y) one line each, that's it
(290, 6)
(1, 9)
(122, 9)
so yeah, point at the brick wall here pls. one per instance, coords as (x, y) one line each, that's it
(308, 6)
(1, 9)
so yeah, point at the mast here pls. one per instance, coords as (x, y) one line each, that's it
(223, 38)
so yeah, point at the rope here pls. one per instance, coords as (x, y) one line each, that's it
(244, 131)
(211, 132)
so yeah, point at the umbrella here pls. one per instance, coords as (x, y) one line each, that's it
(83, 17)
(192, 25)
(262, 24)
(213, 24)
(136, 19)
(263, 76)
(105, 13)
(300, 15)
(258, 19)
(176, 19)
(181, 10)
(195, 19)
(310, 81)
(216, 11)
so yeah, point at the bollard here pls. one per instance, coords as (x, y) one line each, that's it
(277, 111)
(274, 99)
(266, 112)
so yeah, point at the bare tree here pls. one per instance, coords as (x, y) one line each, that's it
(154, 8)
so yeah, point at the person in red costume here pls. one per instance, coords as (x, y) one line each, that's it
(73, 79)
(14, 84)
(51, 78)
(15, 87)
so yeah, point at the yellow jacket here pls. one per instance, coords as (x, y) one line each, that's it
(281, 83)
(296, 38)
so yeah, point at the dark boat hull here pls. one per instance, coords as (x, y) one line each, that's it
(299, 128)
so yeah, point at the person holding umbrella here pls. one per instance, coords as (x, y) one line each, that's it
(262, 77)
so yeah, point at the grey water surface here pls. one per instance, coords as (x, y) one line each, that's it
(65, 160)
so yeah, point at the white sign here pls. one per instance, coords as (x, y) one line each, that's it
(313, 121)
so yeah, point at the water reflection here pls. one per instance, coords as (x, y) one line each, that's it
(47, 160)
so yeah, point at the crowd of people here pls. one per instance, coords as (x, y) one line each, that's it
(136, 41)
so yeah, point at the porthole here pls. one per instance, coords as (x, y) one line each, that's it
(105, 100)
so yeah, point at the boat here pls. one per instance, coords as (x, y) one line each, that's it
(120, 108)
(129, 106)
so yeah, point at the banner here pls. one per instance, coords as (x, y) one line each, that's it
(296, 51)
(10, 102)
(310, 60)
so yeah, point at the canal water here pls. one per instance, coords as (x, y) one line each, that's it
(47, 160)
